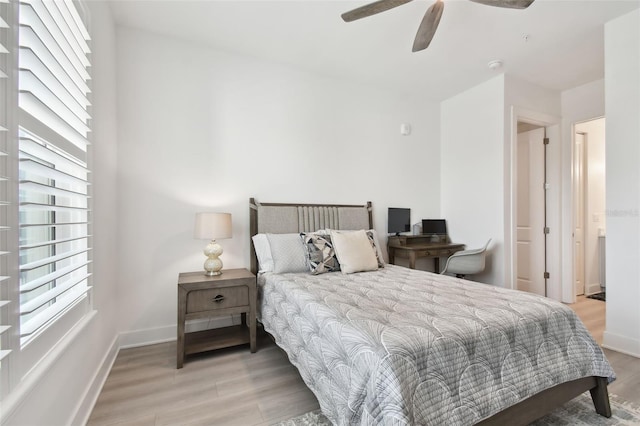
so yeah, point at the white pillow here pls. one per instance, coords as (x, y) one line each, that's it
(354, 251)
(288, 253)
(263, 252)
(373, 237)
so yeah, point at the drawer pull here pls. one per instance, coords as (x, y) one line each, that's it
(219, 298)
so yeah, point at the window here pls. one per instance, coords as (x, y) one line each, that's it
(54, 188)
(7, 185)
(45, 232)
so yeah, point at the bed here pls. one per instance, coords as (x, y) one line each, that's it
(400, 346)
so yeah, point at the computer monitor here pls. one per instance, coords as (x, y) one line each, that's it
(434, 227)
(399, 220)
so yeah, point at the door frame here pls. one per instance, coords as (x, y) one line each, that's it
(554, 179)
(570, 286)
(575, 207)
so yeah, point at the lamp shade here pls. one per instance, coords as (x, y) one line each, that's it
(211, 226)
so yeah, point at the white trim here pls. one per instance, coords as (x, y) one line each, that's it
(88, 401)
(22, 391)
(592, 288)
(568, 246)
(133, 339)
(151, 336)
(621, 344)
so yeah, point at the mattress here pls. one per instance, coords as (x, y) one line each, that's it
(404, 347)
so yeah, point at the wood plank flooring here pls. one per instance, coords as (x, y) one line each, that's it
(627, 385)
(226, 387)
(235, 387)
(592, 313)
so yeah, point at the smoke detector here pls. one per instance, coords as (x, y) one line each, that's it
(495, 65)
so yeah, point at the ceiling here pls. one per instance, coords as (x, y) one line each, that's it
(557, 44)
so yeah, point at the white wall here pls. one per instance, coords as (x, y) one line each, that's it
(531, 97)
(64, 392)
(583, 103)
(622, 104)
(201, 129)
(595, 204)
(579, 104)
(478, 129)
(472, 171)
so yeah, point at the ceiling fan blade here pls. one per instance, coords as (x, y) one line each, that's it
(428, 26)
(372, 9)
(511, 4)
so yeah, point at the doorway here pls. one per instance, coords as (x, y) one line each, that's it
(548, 278)
(531, 203)
(589, 206)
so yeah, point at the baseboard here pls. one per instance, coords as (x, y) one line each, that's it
(593, 288)
(133, 339)
(86, 404)
(151, 336)
(621, 344)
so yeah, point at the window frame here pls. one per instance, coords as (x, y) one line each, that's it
(28, 361)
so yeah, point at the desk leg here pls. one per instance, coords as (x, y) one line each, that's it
(412, 260)
(436, 264)
(392, 255)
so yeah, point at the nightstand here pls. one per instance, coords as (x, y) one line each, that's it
(199, 296)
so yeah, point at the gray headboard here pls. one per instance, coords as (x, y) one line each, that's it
(282, 218)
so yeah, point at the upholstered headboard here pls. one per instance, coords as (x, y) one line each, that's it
(282, 218)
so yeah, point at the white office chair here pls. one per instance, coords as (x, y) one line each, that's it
(466, 262)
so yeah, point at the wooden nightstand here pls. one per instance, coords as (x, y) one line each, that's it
(199, 296)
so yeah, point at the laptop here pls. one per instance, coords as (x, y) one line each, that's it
(435, 227)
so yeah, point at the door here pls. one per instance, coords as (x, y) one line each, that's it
(578, 213)
(530, 208)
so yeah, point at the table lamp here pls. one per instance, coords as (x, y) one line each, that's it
(212, 226)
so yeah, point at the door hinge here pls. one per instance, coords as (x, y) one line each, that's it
(546, 230)
(546, 275)
(545, 141)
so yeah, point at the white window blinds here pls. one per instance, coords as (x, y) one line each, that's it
(54, 189)
(5, 179)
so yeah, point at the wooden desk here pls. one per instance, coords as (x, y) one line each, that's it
(416, 246)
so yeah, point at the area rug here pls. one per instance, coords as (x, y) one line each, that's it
(598, 296)
(577, 412)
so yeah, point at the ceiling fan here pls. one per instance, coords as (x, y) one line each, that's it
(429, 24)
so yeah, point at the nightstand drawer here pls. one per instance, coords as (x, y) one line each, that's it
(217, 298)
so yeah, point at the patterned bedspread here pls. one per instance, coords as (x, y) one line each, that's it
(405, 347)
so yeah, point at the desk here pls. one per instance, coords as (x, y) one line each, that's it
(416, 246)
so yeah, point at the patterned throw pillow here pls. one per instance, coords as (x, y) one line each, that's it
(373, 239)
(321, 257)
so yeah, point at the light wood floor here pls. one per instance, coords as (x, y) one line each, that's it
(627, 385)
(235, 387)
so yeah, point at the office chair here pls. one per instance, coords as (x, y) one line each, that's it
(466, 262)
